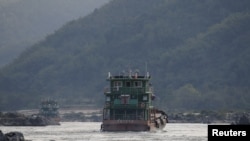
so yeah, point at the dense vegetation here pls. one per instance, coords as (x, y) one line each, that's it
(196, 51)
(24, 22)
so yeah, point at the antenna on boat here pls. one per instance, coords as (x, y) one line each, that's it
(147, 74)
(109, 75)
(146, 69)
(130, 72)
(136, 73)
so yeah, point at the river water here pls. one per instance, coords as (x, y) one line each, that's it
(90, 131)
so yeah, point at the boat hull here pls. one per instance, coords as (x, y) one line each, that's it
(130, 125)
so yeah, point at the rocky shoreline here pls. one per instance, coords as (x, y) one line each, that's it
(18, 119)
(210, 117)
(21, 119)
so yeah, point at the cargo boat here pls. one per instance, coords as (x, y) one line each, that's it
(49, 109)
(128, 104)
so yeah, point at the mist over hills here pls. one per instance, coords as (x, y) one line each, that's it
(197, 53)
(25, 22)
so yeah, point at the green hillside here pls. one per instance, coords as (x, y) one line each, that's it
(24, 22)
(196, 52)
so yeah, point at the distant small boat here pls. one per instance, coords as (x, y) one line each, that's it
(49, 110)
(128, 104)
(48, 115)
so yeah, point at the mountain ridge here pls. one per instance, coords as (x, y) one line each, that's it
(192, 49)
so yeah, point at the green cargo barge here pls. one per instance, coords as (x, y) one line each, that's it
(128, 105)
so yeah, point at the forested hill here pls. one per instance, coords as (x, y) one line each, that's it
(24, 22)
(197, 53)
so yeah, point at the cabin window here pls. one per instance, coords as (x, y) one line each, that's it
(108, 98)
(145, 98)
(117, 83)
(137, 84)
(128, 84)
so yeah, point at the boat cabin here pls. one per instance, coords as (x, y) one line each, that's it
(128, 97)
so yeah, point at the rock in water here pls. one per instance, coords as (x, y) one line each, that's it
(11, 136)
(2, 136)
(14, 136)
(244, 120)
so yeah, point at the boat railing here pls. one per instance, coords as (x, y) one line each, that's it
(124, 90)
(49, 106)
(140, 105)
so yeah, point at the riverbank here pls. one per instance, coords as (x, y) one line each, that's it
(95, 115)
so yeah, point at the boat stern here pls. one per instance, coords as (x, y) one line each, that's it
(125, 125)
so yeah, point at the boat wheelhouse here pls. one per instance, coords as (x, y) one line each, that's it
(128, 104)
